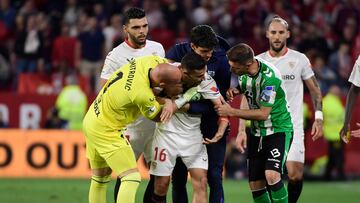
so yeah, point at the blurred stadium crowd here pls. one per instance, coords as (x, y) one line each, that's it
(43, 40)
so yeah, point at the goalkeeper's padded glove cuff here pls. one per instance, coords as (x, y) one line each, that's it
(180, 102)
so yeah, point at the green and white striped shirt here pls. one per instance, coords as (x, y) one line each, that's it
(266, 89)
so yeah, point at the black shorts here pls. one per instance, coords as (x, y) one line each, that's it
(267, 153)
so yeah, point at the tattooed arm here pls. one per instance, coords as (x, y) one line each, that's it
(316, 98)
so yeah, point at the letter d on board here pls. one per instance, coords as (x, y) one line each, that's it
(8, 155)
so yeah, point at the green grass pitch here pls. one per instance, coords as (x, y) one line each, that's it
(75, 191)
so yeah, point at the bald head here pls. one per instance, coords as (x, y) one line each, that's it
(167, 73)
(172, 77)
(168, 78)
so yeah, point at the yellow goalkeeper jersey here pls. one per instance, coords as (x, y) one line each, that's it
(125, 96)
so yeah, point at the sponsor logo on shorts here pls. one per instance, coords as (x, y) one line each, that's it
(275, 153)
(275, 160)
(153, 164)
(204, 159)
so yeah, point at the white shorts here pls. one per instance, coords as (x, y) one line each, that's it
(297, 148)
(140, 136)
(165, 151)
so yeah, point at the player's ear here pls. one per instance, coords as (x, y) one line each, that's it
(267, 34)
(288, 34)
(193, 46)
(162, 85)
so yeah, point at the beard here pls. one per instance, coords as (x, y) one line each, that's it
(277, 49)
(137, 41)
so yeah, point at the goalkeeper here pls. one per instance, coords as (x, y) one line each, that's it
(181, 137)
(127, 94)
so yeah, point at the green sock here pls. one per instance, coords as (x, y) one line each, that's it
(128, 188)
(98, 186)
(280, 195)
(264, 198)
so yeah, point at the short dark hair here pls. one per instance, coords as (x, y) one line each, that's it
(133, 13)
(203, 36)
(193, 61)
(240, 53)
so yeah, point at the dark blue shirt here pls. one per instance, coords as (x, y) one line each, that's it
(92, 45)
(219, 69)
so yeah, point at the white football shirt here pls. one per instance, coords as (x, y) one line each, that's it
(294, 67)
(355, 74)
(120, 56)
(185, 125)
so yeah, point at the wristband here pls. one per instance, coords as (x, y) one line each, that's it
(319, 115)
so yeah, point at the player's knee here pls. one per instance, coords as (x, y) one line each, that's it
(161, 186)
(272, 176)
(203, 183)
(200, 183)
(132, 177)
(296, 176)
(101, 179)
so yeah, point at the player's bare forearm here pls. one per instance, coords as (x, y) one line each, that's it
(223, 121)
(350, 102)
(241, 136)
(223, 125)
(242, 122)
(253, 114)
(315, 93)
(248, 114)
(316, 98)
(220, 133)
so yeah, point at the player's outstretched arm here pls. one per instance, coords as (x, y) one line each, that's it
(248, 114)
(316, 97)
(223, 123)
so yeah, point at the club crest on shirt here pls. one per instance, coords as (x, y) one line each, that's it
(291, 64)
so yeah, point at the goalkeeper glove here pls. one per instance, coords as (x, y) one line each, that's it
(190, 95)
